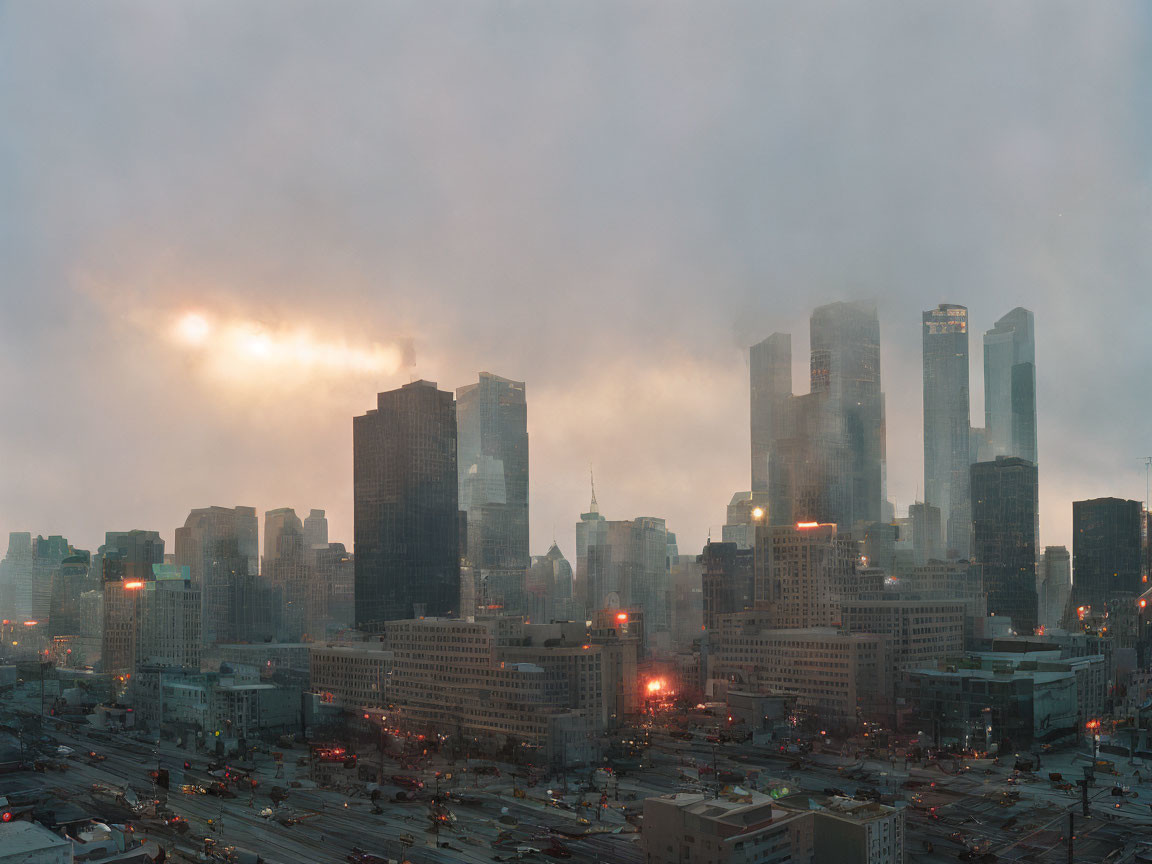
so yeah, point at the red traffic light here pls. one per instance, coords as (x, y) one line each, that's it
(6, 816)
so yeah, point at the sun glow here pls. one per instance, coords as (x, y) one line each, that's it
(237, 347)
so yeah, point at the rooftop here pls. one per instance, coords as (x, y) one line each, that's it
(23, 838)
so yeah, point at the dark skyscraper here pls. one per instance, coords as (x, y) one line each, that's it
(947, 423)
(825, 449)
(492, 458)
(1106, 548)
(770, 379)
(1010, 386)
(1004, 537)
(406, 488)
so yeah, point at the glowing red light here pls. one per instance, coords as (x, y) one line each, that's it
(807, 524)
(133, 586)
(621, 616)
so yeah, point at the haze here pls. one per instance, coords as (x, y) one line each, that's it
(224, 228)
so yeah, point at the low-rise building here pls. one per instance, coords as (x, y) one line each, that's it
(922, 632)
(836, 676)
(512, 685)
(847, 831)
(30, 843)
(750, 828)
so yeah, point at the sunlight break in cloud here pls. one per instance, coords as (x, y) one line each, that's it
(234, 347)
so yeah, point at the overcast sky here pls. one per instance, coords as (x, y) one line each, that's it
(609, 201)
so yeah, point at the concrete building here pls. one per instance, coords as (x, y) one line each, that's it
(492, 463)
(803, 572)
(1004, 524)
(690, 828)
(31, 843)
(848, 831)
(836, 676)
(927, 542)
(947, 423)
(151, 618)
(407, 519)
(285, 569)
(507, 684)
(921, 632)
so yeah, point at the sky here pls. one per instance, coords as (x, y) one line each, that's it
(224, 227)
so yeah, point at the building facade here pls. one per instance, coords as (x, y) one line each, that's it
(406, 491)
(947, 423)
(1004, 498)
(220, 548)
(492, 462)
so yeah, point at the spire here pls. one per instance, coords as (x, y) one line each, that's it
(593, 507)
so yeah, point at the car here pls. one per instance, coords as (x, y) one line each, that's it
(406, 782)
(557, 852)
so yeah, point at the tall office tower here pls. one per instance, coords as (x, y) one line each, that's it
(825, 449)
(727, 581)
(624, 565)
(286, 569)
(549, 588)
(406, 489)
(846, 362)
(947, 423)
(219, 546)
(492, 460)
(315, 530)
(770, 379)
(332, 590)
(15, 574)
(151, 618)
(1004, 537)
(1010, 386)
(802, 572)
(926, 533)
(70, 580)
(135, 545)
(1106, 549)
(1055, 584)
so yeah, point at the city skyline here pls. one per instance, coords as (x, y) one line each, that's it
(330, 295)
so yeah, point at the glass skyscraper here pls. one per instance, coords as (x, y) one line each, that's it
(407, 522)
(1010, 386)
(492, 460)
(825, 449)
(947, 423)
(1004, 537)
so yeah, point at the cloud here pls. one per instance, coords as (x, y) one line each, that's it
(609, 201)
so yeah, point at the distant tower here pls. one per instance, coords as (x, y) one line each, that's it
(492, 460)
(947, 423)
(1010, 386)
(770, 380)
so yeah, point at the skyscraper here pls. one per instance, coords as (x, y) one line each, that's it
(1055, 584)
(770, 379)
(286, 569)
(219, 546)
(947, 423)
(1004, 537)
(1010, 386)
(825, 449)
(492, 460)
(1106, 549)
(846, 360)
(406, 489)
(315, 529)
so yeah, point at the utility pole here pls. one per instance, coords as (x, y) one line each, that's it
(1072, 837)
